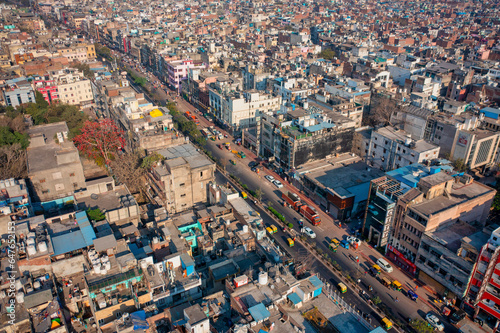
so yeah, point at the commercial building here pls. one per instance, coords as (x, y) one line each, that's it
(391, 148)
(178, 71)
(73, 87)
(18, 91)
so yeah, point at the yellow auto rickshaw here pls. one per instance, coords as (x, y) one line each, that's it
(376, 269)
(386, 324)
(334, 244)
(396, 285)
(342, 287)
(244, 195)
(385, 281)
(290, 242)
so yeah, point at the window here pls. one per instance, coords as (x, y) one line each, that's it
(42, 180)
(183, 195)
(374, 146)
(45, 191)
(182, 184)
(118, 315)
(385, 150)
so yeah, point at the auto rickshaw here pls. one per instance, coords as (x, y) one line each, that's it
(334, 244)
(386, 324)
(290, 242)
(342, 287)
(375, 269)
(396, 285)
(272, 229)
(232, 162)
(244, 195)
(385, 281)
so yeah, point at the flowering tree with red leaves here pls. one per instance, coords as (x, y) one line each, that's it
(100, 140)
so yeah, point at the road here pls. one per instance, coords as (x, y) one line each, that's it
(400, 306)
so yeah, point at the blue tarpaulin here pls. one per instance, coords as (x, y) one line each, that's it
(259, 312)
(139, 320)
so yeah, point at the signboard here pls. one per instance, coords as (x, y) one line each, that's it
(401, 256)
(463, 139)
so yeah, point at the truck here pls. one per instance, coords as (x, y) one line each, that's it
(292, 199)
(310, 214)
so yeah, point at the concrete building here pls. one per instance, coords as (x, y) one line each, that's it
(73, 87)
(391, 148)
(54, 166)
(483, 295)
(410, 201)
(446, 257)
(196, 320)
(477, 148)
(255, 77)
(182, 179)
(18, 91)
(178, 71)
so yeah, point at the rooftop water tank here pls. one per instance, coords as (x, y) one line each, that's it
(31, 250)
(263, 278)
(42, 247)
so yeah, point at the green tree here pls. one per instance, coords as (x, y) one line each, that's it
(459, 165)
(84, 68)
(40, 100)
(95, 214)
(140, 81)
(258, 194)
(327, 54)
(8, 137)
(376, 300)
(150, 160)
(102, 51)
(421, 326)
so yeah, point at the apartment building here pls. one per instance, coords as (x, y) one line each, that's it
(18, 91)
(241, 109)
(391, 148)
(73, 87)
(483, 291)
(47, 88)
(477, 148)
(178, 71)
(182, 178)
(54, 166)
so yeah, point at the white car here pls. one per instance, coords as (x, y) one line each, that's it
(269, 178)
(308, 231)
(277, 183)
(434, 321)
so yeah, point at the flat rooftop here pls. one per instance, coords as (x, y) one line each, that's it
(451, 236)
(188, 153)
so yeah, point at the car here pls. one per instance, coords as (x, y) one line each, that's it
(252, 164)
(269, 178)
(434, 321)
(278, 184)
(384, 265)
(308, 231)
(457, 316)
(350, 239)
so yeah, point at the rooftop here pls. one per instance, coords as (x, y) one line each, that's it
(186, 153)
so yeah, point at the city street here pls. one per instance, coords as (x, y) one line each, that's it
(397, 302)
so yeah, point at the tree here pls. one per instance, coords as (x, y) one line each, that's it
(381, 109)
(127, 169)
(95, 214)
(87, 72)
(100, 140)
(258, 194)
(102, 51)
(13, 161)
(421, 326)
(327, 54)
(8, 137)
(459, 165)
(150, 160)
(376, 300)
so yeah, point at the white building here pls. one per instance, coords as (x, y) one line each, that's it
(391, 148)
(196, 320)
(73, 87)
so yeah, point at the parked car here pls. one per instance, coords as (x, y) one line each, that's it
(457, 316)
(434, 321)
(252, 164)
(269, 178)
(278, 184)
(309, 232)
(384, 265)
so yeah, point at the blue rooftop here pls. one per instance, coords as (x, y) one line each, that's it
(75, 240)
(294, 298)
(316, 281)
(259, 312)
(319, 127)
(85, 227)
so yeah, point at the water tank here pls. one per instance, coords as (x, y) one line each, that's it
(155, 240)
(263, 278)
(42, 247)
(19, 285)
(97, 269)
(37, 285)
(245, 229)
(104, 271)
(29, 290)
(31, 250)
(144, 264)
(20, 297)
(30, 241)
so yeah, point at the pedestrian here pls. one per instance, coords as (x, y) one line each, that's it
(365, 272)
(416, 288)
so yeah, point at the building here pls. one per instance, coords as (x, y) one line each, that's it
(73, 87)
(482, 295)
(391, 148)
(196, 320)
(14, 198)
(54, 166)
(477, 148)
(407, 202)
(182, 178)
(47, 88)
(446, 257)
(178, 71)
(18, 91)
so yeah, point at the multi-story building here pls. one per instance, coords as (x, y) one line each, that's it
(73, 87)
(483, 290)
(412, 200)
(477, 148)
(54, 166)
(291, 90)
(178, 71)
(47, 88)
(391, 148)
(255, 77)
(182, 178)
(18, 91)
